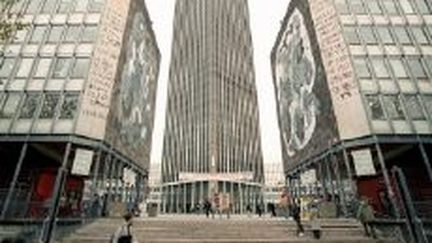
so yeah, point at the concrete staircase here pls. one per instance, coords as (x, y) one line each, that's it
(236, 229)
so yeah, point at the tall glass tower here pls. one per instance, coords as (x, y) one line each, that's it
(212, 140)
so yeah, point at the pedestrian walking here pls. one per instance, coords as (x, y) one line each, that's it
(296, 214)
(207, 207)
(314, 219)
(259, 210)
(272, 209)
(365, 214)
(124, 234)
(249, 210)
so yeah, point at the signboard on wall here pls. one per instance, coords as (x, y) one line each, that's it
(82, 162)
(239, 176)
(345, 94)
(363, 162)
(96, 98)
(308, 177)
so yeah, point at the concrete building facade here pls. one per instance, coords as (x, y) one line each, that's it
(353, 81)
(212, 136)
(77, 101)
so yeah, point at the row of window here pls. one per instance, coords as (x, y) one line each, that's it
(399, 107)
(37, 104)
(57, 6)
(386, 68)
(40, 34)
(390, 7)
(43, 67)
(421, 35)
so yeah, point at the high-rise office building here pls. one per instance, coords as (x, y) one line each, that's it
(77, 98)
(353, 81)
(212, 138)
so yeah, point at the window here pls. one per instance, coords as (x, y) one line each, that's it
(69, 106)
(402, 35)
(398, 68)
(341, 6)
(38, 34)
(10, 105)
(429, 30)
(30, 106)
(96, 5)
(61, 68)
(351, 35)
(374, 7)
(362, 68)
(49, 6)
(65, 6)
(25, 68)
(81, 68)
(55, 34)
(33, 6)
(89, 33)
(414, 108)
(406, 6)
(380, 68)
(73, 33)
(49, 104)
(20, 36)
(416, 68)
(419, 35)
(423, 6)
(393, 107)
(390, 7)
(367, 35)
(81, 5)
(385, 35)
(375, 107)
(17, 7)
(428, 62)
(43, 67)
(356, 6)
(427, 99)
(6, 67)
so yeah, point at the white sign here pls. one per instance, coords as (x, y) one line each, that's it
(240, 176)
(308, 177)
(129, 176)
(82, 162)
(363, 162)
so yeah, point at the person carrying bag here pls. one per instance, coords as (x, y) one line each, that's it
(123, 234)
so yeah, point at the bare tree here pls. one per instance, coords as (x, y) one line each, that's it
(10, 22)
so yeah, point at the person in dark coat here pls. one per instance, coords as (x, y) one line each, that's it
(259, 210)
(207, 207)
(272, 209)
(296, 213)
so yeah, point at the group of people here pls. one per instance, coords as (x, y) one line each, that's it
(365, 214)
(210, 208)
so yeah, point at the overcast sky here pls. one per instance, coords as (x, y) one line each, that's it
(266, 16)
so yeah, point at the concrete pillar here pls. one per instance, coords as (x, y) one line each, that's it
(387, 182)
(426, 160)
(49, 224)
(172, 196)
(340, 190)
(185, 198)
(349, 172)
(193, 194)
(96, 170)
(241, 190)
(110, 179)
